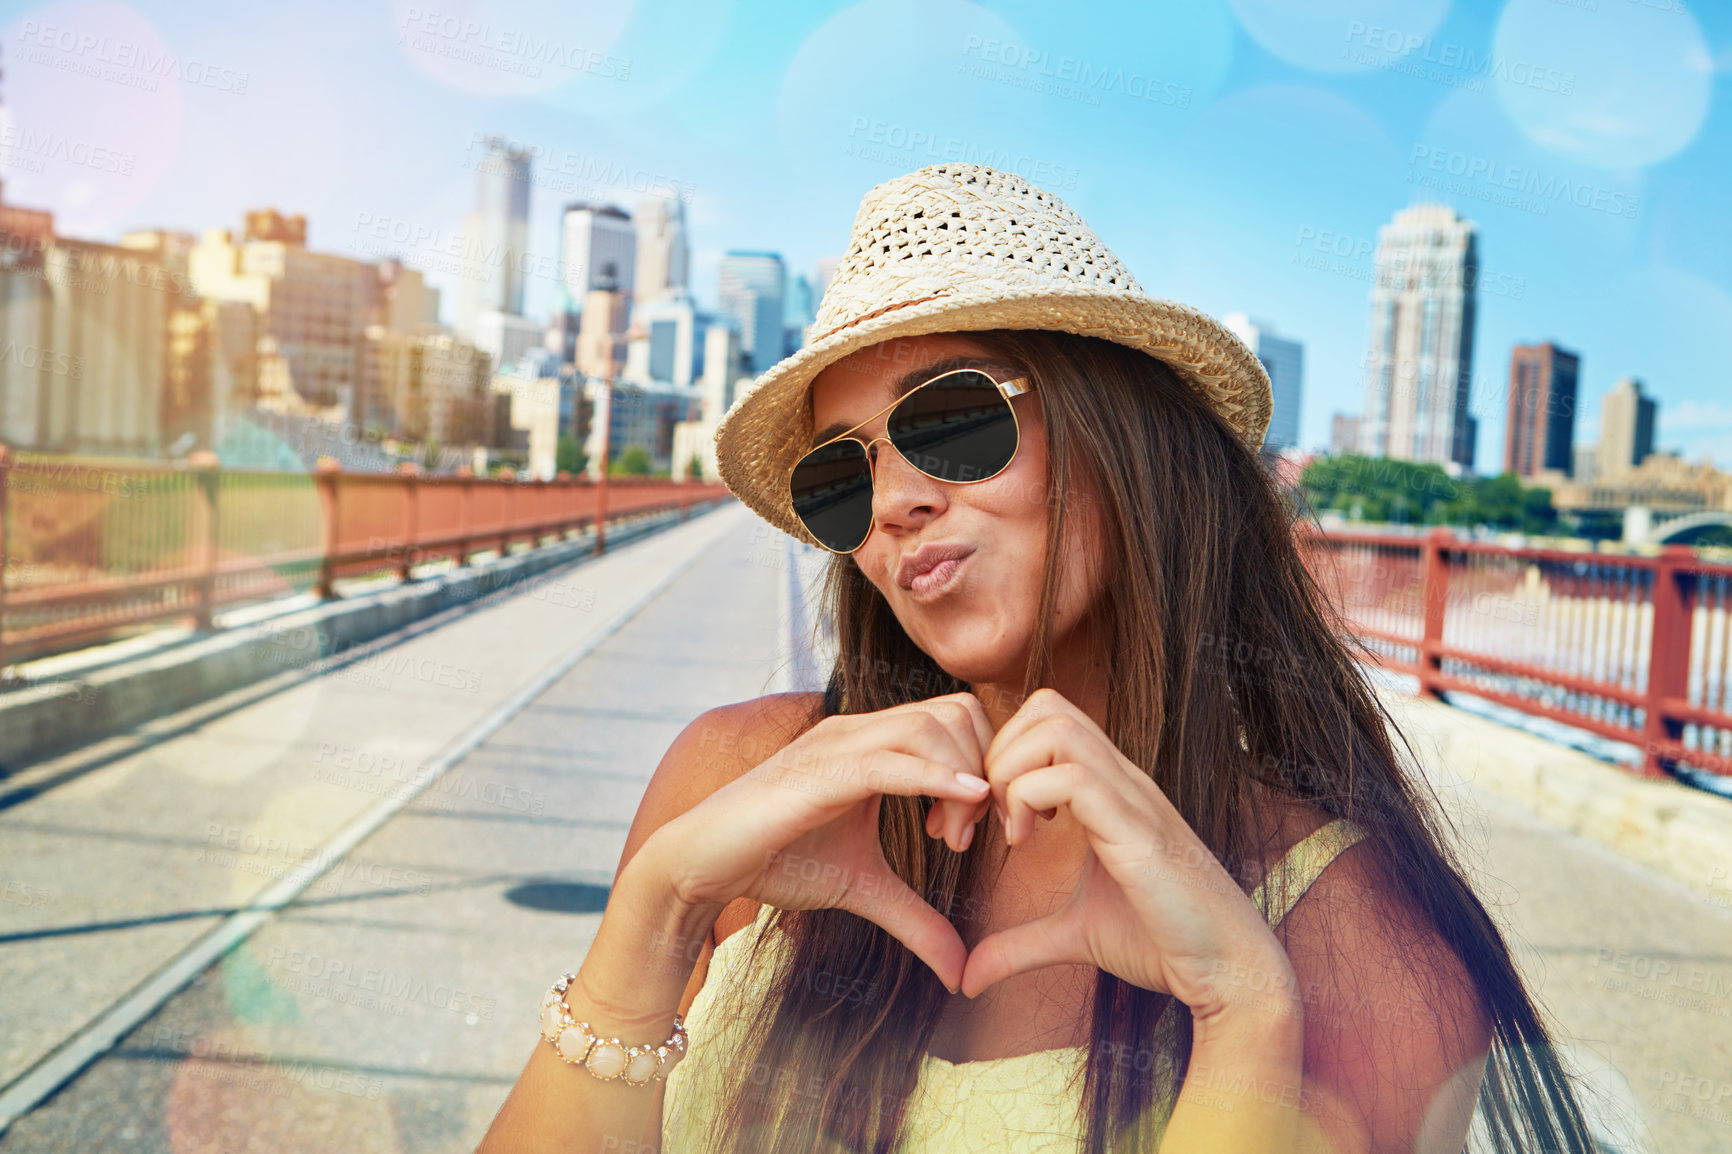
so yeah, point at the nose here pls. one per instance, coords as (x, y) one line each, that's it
(903, 498)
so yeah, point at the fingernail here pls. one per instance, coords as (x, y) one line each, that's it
(970, 782)
(967, 837)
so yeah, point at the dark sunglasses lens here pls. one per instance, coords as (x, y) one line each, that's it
(832, 492)
(959, 428)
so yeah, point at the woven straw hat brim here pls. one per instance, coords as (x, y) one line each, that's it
(769, 427)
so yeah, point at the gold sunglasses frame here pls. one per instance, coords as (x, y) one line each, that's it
(1014, 387)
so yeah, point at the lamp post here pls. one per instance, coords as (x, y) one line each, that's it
(604, 409)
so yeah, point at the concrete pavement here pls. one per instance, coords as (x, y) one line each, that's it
(391, 1006)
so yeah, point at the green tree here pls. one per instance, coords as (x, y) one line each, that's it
(1378, 489)
(695, 470)
(568, 455)
(634, 462)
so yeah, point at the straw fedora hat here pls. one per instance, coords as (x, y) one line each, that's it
(961, 248)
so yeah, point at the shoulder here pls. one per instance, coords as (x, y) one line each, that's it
(716, 747)
(1396, 1030)
(721, 743)
(713, 749)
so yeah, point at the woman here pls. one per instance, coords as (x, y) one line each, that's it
(1208, 910)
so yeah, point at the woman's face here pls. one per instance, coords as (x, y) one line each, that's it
(979, 621)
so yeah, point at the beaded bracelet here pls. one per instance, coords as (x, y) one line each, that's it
(607, 1059)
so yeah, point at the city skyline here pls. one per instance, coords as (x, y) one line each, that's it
(1608, 240)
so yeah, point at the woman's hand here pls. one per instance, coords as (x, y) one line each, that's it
(1153, 905)
(800, 830)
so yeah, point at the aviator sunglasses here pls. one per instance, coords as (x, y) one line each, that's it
(957, 427)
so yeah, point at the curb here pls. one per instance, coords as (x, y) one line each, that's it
(1681, 832)
(61, 714)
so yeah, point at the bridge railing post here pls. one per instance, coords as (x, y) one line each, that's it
(1434, 595)
(325, 476)
(1668, 656)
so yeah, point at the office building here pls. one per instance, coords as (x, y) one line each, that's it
(496, 237)
(663, 258)
(802, 310)
(311, 309)
(601, 339)
(1343, 433)
(751, 291)
(661, 345)
(721, 381)
(598, 250)
(1626, 428)
(210, 373)
(825, 274)
(1284, 360)
(505, 338)
(647, 417)
(83, 348)
(1420, 349)
(405, 301)
(427, 386)
(1540, 418)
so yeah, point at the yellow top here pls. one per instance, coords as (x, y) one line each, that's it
(1029, 1102)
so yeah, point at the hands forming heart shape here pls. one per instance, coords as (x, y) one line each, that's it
(1152, 905)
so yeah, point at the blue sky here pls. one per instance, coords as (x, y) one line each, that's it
(1238, 155)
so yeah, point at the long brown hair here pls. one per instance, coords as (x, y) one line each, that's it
(1229, 671)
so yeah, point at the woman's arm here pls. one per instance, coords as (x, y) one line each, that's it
(1244, 1089)
(813, 799)
(1396, 1033)
(638, 972)
(630, 986)
(1361, 1033)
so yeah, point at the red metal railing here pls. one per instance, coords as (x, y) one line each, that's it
(91, 549)
(1632, 648)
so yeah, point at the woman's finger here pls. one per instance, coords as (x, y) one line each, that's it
(963, 720)
(1054, 940)
(1106, 811)
(886, 900)
(891, 771)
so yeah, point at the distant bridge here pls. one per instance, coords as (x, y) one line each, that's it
(1691, 529)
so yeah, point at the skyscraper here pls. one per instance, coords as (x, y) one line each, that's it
(1420, 348)
(751, 285)
(1285, 362)
(1626, 427)
(1540, 421)
(663, 259)
(598, 251)
(497, 236)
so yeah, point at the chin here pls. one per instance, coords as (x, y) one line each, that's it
(977, 664)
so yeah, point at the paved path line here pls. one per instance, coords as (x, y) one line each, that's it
(61, 1065)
